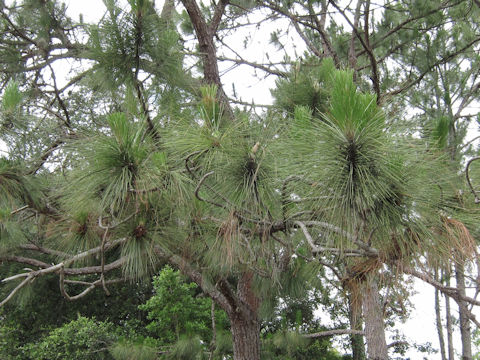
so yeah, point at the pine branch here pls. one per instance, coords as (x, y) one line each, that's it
(333, 332)
(46, 154)
(469, 182)
(43, 250)
(369, 251)
(27, 280)
(67, 120)
(352, 55)
(441, 61)
(91, 286)
(316, 249)
(327, 45)
(445, 5)
(447, 290)
(217, 16)
(241, 61)
(47, 269)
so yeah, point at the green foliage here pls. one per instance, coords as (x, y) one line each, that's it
(352, 145)
(27, 321)
(13, 185)
(10, 340)
(128, 350)
(12, 97)
(11, 233)
(123, 38)
(176, 310)
(187, 348)
(476, 341)
(131, 147)
(292, 346)
(440, 132)
(116, 161)
(308, 85)
(81, 339)
(361, 175)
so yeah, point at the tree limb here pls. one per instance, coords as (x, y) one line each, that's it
(469, 182)
(334, 332)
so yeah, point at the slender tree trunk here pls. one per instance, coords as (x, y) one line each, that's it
(451, 355)
(245, 325)
(205, 36)
(465, 330)
(438, 316)
(213, 343)
(355, 317)
(352, 56)
(374, 326)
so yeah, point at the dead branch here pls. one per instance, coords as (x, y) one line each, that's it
(91, 286)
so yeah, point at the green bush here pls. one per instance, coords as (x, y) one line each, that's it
(81, 339)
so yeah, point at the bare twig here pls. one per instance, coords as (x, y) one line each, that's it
(91, 286)
(199, 185)
(469, 182)
(17, 288)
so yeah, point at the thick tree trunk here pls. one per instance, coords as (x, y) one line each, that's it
(355, 317)
(465, 330)
(244, 322)
(374, 326)
(246, 338)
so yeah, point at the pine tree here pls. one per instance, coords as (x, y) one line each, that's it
(136, 160)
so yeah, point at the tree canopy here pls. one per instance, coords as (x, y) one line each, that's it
(126, 152)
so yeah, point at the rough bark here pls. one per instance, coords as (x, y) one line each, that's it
(356, 323)
(245, 325)
(246, 338)
(205, 36)
(374, 327)
(465, 330)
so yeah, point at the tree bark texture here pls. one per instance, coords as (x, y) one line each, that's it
(465, 330)
(205, 36)
(245, 325)
(355, 317)
(246, 338)
(374, 326)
